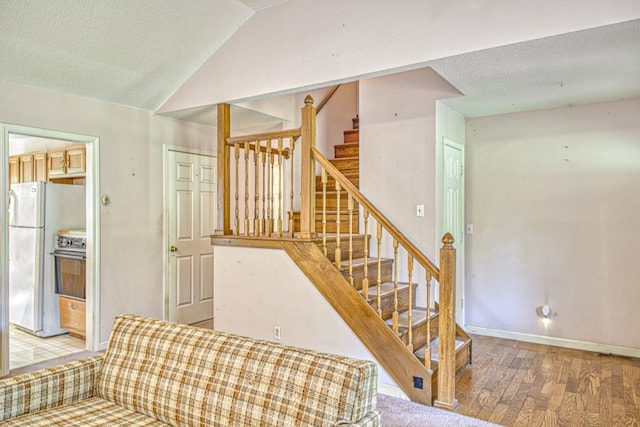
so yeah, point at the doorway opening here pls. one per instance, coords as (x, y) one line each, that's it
(51, 160)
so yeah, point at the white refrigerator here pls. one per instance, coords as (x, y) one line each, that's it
(37, 210)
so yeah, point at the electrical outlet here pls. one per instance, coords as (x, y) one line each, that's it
(419, 210)
(276, 332)
(469, 228)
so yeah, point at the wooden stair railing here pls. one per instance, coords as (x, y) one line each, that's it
(445, 276)
(265, 186)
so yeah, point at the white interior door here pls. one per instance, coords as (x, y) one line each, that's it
(453, 215)
(191, 205)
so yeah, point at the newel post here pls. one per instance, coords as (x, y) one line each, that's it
(224, 164)
(308, 171)
(447, 334)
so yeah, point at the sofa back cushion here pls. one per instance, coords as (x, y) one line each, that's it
(187, 376)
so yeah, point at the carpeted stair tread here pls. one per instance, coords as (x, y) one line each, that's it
(418, 317)
(460, 341)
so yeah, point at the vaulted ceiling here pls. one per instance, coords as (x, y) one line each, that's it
(138, 53)
(130, 52)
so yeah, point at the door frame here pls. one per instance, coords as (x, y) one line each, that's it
(460, 251)
(92, 144)
(165, 227)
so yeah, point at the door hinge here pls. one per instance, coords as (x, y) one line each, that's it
(461, 169)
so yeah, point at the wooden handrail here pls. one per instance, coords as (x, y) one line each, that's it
(363, 201)
(266, 136)
(326, 99)
(285, 152)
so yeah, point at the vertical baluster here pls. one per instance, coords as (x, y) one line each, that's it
(280, 182)
(269, 222)
(246, 189)
(350, 209)
(427, 351)
(338, 248)
(236, 221)
(256, 196)
(324, 210)
(263, 220)
(395, 286)
(379, 279)
(410, 312)
(365, 280)
(291, 183)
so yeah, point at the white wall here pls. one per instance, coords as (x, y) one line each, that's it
(310, 43)
(131, 169)
(554, 197)
(250, 298)
(398, 149)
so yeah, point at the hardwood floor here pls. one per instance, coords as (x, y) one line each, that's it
(515, 383)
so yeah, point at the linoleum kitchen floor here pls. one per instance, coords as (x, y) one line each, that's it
(27, 349)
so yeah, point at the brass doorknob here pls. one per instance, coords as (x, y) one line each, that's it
(173, 248)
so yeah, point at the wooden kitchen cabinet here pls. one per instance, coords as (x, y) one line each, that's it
(76, 161)
(14, 170)
(56, 163)
(67, 163)
(40, 167)
(26, 168)
(73, 316)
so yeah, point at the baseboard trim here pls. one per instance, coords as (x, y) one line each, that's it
(391, 390)
(559, 342)
(103, 345)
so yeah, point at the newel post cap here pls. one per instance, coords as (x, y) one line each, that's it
(447, 240)
(308, 100)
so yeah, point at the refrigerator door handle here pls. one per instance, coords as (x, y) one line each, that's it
(12, 203)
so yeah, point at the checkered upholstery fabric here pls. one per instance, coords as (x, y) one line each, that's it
(89, 412)
(187, 376)
(48, 388)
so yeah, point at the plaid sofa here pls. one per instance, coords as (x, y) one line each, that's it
(156, 373)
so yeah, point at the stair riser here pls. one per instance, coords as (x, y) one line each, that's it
(331, 183)
(358, 247)
(351, 135)
(387, 302)
(332, 203)
(419, 336)
(347, 165)
(386, 270)
(350, 150)
(332, 226)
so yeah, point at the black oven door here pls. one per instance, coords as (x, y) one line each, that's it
(70, 271)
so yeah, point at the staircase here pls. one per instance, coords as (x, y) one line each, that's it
(347, 162)
(347, 257)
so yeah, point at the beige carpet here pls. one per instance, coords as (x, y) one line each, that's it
(400, 413)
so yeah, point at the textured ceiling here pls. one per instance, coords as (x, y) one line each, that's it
(134, 53)
(138, 53)
(595, 65)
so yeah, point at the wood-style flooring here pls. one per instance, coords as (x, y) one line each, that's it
(514, 383)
